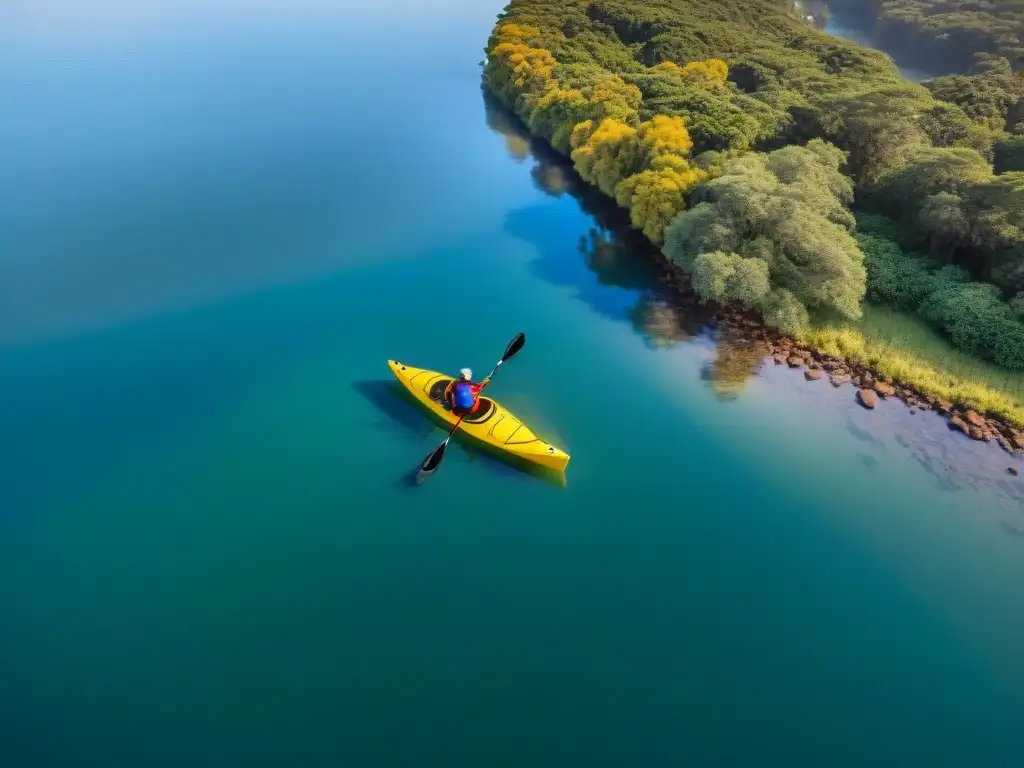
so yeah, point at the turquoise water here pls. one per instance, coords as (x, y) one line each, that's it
(219, 223)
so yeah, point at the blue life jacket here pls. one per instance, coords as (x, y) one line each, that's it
(462, 395)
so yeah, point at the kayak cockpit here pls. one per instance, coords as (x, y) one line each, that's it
(486, 411)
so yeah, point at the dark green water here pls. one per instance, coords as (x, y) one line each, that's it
(218, 223)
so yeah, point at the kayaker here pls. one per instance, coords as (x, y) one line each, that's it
(463, 394)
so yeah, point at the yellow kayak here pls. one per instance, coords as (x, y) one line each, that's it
(492, 424)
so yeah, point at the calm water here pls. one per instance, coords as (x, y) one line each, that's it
(857, 27)
(218, 223)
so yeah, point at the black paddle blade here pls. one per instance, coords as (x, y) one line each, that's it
(431, 463)
(514, 346)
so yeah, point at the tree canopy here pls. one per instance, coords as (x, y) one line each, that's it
(774, 228)
(738, 138)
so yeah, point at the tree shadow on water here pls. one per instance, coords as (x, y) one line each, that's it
(614, 269)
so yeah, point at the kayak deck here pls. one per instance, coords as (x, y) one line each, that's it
(493, 424)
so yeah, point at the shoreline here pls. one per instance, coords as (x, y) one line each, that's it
(839, 371)
(868, 382)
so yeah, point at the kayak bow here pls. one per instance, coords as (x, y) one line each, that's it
(493, 425)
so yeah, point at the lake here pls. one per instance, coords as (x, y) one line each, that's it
(219, 222)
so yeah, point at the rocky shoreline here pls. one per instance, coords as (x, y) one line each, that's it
(868, 384)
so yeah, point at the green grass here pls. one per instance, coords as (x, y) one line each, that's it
(906, 350)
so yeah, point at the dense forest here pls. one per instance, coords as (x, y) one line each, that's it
(982, 40)
(740, 141)
(947, 32)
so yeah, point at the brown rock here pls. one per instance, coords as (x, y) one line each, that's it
(779, 358)
(1018, 440)
(867, 397)
(885, 390)
(1004, 444)
(795, 362)
(943, 406)
(1000, 428)
(976, 433)
(838, 379)
(1013, 471)
(975, 419)
(866, 380)
(957, 423)
(812, 374)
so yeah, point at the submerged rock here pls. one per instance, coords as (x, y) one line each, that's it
(838, 379)
(867, 397)
(1013, 471)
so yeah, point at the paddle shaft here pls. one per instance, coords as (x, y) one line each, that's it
(430, 464)
(487, 380)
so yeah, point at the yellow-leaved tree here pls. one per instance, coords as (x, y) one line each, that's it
(605, 154)
(615, 98)
(663, 135)
(524, 70)
(557, 113)
(517, 32)
(654, 196)
(658, 192)
(520, 73)
(709, 73)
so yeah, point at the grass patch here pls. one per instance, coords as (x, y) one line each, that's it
(906, 350)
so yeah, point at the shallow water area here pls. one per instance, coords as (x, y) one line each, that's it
(210, 552)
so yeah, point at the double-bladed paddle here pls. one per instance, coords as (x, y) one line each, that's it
(430, 464)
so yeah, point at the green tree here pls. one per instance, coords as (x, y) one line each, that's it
(730, 278)
(787, 222)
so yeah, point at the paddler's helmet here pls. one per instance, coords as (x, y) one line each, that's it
(466, 374)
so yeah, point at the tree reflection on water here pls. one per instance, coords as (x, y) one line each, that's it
(661, 323)
(620, 256)
(737, 360)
